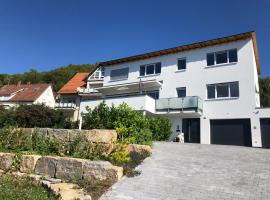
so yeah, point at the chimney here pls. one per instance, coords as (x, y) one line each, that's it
(19, 83)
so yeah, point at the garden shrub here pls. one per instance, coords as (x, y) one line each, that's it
(130, 125)
(30, 116)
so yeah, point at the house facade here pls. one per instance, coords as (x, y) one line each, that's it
(81, 87)
(209, 90)
(27, 94)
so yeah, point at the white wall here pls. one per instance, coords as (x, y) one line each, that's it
(142, 103)
(198, 75)
(46, 98)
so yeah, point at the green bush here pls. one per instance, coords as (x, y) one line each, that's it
(160, 128)
(131, 125)
(29, 116)
(15, 140)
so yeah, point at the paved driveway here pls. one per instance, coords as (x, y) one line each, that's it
(195, 171)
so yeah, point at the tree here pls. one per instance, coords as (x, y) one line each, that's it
(265, 91)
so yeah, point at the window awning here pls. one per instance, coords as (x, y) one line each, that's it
(134, 87)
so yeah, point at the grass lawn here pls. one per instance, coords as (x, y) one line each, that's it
(14, 188)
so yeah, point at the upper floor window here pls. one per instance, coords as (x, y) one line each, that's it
(98, 74)
(181, 63)
(222, 57)
(223, 90)
(181, 92)
(119, 74)
(150, 69)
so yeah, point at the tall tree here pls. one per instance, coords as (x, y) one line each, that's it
(265, 91)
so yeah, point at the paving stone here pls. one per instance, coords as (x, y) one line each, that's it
(196, 171)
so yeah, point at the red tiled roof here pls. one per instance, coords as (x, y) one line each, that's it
(23, 92)
(78, 80)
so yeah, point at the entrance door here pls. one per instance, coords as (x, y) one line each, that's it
(191, 130)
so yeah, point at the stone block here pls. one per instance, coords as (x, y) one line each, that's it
(101, 171)
(6, 160)
(28, 163)
(69, 168)
(46, 166)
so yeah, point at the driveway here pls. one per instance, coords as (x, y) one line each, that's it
(196, 171)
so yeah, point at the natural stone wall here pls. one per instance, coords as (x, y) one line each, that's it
(104, 137)
(64, 168)
(28, 163)
(139, 150)
(6, 160)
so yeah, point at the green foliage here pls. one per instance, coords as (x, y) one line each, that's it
(121, 155)
(29, 116)
(265, 91)
(160, 127)
(16, 188)
(131, 126)
(57, 77)
(15, 140)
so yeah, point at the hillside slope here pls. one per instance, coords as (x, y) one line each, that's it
(57, 77)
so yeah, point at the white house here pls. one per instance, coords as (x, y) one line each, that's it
(209, 90)
(13, 95)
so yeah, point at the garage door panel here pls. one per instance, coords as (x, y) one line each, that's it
(265, 132)
(231, 132)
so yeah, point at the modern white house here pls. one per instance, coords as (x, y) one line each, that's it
(27, 94)
(209, 90)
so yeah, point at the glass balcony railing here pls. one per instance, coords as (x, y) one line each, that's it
(186, 103)
(65, 105)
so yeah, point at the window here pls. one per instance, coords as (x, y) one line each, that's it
(222, 57)
(223, 90)
(119, 74)
(210, 59)
(211, 90)
(150, 69)
(234, 89)
(181, 64)
(181, 92)
(153, 94)
(233, 55)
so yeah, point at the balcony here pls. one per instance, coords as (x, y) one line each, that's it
(87, 90)
(65, 105)
(176, 105)
(138, 102)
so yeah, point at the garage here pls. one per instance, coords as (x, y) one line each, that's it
(265, 132)
(231, 132)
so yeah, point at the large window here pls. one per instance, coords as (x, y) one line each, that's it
(154, 94)
(150, 69)
(181, 64)
(119, 74)
(223, 90)
(181, 92)
(222, 57)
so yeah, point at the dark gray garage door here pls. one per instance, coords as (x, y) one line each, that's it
(265, 132)
(231, 132)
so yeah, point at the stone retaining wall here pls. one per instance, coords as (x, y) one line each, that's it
(104, 137)
(64, 168)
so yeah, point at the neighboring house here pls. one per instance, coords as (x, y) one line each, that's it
(13, 95)
(209, 90)
(79, 88)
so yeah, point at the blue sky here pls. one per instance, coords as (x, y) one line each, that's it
(46, 34)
